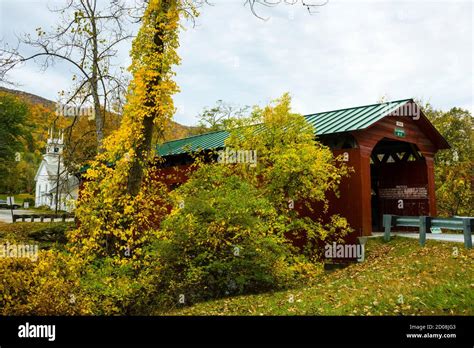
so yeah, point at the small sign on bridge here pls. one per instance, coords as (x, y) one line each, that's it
(399, 132)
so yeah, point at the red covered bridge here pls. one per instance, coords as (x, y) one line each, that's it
(391, 147)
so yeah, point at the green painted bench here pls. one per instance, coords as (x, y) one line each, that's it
(424, 223)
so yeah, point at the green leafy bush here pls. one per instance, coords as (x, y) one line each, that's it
(222, 239)
(118, 288)
(232, 230)
(52, 233)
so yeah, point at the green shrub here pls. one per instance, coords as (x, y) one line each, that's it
(225, 240)
(118, 288)
(52, 232)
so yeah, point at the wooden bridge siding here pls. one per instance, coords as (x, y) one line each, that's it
(173, 175)
(350, 190)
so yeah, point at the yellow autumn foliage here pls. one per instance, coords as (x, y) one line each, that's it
(113, 222)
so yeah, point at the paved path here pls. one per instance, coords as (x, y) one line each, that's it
(445, 237)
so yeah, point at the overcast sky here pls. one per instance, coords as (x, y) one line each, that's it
(350, 53)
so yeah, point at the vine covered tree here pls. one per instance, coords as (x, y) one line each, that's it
(117, 193)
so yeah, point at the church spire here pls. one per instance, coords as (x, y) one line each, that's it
(55, 142)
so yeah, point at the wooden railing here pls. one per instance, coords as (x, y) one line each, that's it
(42, 217)
(424, 223)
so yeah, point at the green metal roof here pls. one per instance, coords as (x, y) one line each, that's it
(329, 122)
(207, 141)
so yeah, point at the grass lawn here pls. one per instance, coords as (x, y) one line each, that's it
(397, 278)
(19, 198)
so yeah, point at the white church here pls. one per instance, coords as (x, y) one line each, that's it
(55, 187)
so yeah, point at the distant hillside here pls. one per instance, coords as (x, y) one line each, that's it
(175, 132)
(31, 98)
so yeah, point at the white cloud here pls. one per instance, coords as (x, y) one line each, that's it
(350, 53)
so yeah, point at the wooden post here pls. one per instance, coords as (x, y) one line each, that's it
(467, 227)
(10, 202)
(429, 160)
(387, 223)
(425, 224)
(365, 187)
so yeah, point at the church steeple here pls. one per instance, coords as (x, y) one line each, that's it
(55, 143)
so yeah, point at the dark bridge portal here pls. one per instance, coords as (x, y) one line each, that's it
(399, 181)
